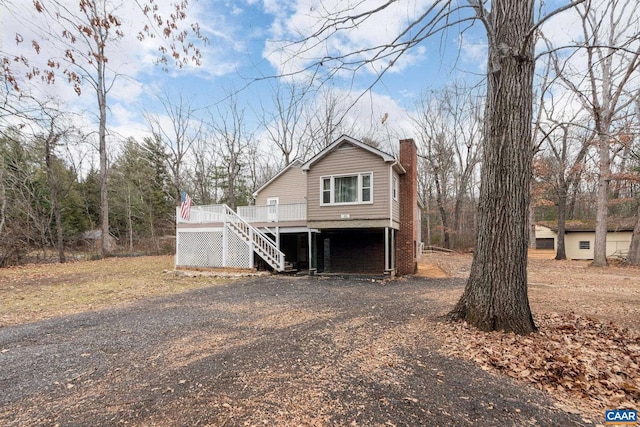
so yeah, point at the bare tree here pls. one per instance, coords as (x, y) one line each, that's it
(178, 129)
(327, 121)
(86, 34)
(568, 148)
(232, 139)
(52, 136)
(283, 122)
(464, 109)
(437, 150)
(611, 31)
(204, 170)
(633, 258)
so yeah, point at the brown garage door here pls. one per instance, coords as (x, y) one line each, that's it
(544, 243)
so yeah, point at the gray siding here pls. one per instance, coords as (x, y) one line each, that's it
(290, 187)
(346, 161)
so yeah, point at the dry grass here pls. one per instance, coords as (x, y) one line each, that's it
(39, 291)
(608, 293)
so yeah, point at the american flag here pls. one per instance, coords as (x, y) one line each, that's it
(185, 205)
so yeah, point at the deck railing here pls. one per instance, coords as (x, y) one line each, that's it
(274, 213)
(256, 240)
(270, 213)
(203, 214)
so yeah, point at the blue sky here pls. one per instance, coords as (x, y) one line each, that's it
(242, 35)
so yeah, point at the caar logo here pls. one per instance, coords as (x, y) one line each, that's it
(620, 416)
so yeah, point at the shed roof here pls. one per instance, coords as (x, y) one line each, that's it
(573, 226)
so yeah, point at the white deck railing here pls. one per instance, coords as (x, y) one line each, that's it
(274, 213)
(256, 240)
(203, 214)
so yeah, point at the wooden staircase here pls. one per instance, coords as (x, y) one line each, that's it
(259, 242)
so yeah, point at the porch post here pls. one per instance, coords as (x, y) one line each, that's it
(312, 268)
(177, 257)
(393, 249)
(225, 243)
(386, 249)
(251, 247)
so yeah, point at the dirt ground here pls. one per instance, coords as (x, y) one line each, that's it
(129, 342)
(608, 293)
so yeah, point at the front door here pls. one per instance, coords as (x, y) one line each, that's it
(272, 209)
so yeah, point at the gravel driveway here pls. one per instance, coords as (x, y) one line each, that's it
(263, 351)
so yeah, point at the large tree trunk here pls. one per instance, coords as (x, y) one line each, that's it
(633, 258)
(495, 297)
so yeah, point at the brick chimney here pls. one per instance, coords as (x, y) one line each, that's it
(406, 244)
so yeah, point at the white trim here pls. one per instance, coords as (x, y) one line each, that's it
(395, 188)
(390, 200)
(200, 230)
(332, 178)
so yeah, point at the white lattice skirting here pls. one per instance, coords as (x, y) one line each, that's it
(212, 247)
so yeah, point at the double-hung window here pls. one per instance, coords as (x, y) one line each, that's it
(347, 189)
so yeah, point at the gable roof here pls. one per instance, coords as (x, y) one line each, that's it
(344, 139)
(295, 163)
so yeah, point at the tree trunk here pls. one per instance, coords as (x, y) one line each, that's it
(129, 219)
(53, 190)
(561, 252)
(633, 258)
(602, 211)
(102, 141)
(446, 241)
(495, 297)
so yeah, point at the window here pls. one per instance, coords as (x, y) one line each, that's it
(394, 188)
(346, 189)
(326, 191)
(584, 244)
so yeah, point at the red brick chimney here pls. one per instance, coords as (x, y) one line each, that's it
(406, 244)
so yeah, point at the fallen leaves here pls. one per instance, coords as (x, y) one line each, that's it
(579, 360)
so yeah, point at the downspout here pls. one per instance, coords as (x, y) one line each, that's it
(391, 193)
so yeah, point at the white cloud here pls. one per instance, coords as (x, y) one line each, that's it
(294, 21)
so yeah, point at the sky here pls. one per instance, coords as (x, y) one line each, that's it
(249, 43)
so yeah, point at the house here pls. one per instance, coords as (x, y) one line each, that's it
(351, 208)
(579, 239)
